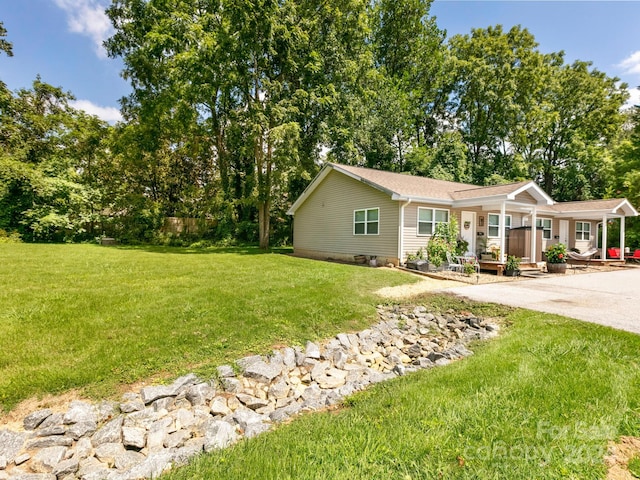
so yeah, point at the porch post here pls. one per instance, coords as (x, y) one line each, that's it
(534, 234)
(622, 238)
(503, 230)
(604, 237)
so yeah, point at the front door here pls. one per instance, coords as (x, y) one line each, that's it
(468, 229)
(564, 232)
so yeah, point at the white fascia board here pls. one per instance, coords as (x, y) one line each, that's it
(537, 193)
(433, 201)
(480, 201)
(626, 205)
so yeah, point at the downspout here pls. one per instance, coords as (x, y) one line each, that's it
(401, 232)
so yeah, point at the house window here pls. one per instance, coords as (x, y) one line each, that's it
(493, 225)
(428, 218)
(365, 222)
(583, 230)
(545, 223)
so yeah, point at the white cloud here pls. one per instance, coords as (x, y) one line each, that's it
(108, 114)
(631, 64)
(634, 99)
(87, 17)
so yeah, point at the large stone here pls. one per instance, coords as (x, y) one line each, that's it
(66, 467)
(246, 417)
(92, 469)
(289, 357)
(107, 452)
(245, 362)
(226, 371)
(83, 448)
(183, 418)
(200, 394)
(52, 441)
(156, 440)
(319, 369)
(80, 412)
(34, 476)
(177, 439)
(279, 390)
(151, 467)
(20, 459)
(11, 443)
(312, 350)
(128, 459)
(192, 447)
(81, 429)
(151, 394)
(46, 459)
(52, 420)
(111, 432)
(256, 429)
(131, 406)
(252, 402)
(34, 419)
(54, 430)
(219, 406)
(134, 437)
(262, 371)
(231, 385)
(219, 434)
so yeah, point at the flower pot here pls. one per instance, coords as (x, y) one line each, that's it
(556, 267)
(512, 273)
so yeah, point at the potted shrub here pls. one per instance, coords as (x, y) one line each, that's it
(418, 261)
(512, 267)
(557, 258)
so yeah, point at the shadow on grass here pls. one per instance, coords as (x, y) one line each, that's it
(240, 250)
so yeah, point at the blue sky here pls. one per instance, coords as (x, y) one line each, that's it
(60, 40)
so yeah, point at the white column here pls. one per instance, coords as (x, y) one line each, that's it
(534, 234)
(604, 237)
(622, 238)
(503, 230)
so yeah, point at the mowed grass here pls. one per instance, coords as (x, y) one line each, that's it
(541, 401)
(91, 317)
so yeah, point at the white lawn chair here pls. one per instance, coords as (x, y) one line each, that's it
(454, 264)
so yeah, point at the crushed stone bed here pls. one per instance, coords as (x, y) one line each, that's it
(159, 427)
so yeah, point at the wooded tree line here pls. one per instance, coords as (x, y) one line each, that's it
(236, 103)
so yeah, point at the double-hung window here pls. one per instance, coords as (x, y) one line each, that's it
(366, 221)
(493, 224)
(428, 218)
(545, 223)
(583, 230)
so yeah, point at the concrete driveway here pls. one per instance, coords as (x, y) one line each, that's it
(607, 298)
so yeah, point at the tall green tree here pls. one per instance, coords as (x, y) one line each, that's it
(256, 88)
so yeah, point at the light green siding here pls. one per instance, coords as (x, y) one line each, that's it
(323, 225)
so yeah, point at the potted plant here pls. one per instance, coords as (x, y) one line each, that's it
(512, 267)
(557, 258)
(418, 261)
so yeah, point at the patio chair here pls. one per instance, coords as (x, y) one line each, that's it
(635, 257)
(454, 265)
(583, 257)
(613, 253)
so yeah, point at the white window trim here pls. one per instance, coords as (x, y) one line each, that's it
(582, 232)
(498, 225)
(541, 220)
(433, 222)
(366, 223)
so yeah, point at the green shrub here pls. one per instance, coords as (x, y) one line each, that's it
(557, 253)
(10, 237)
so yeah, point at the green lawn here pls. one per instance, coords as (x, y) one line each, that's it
(91, 317)
(541, 401)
